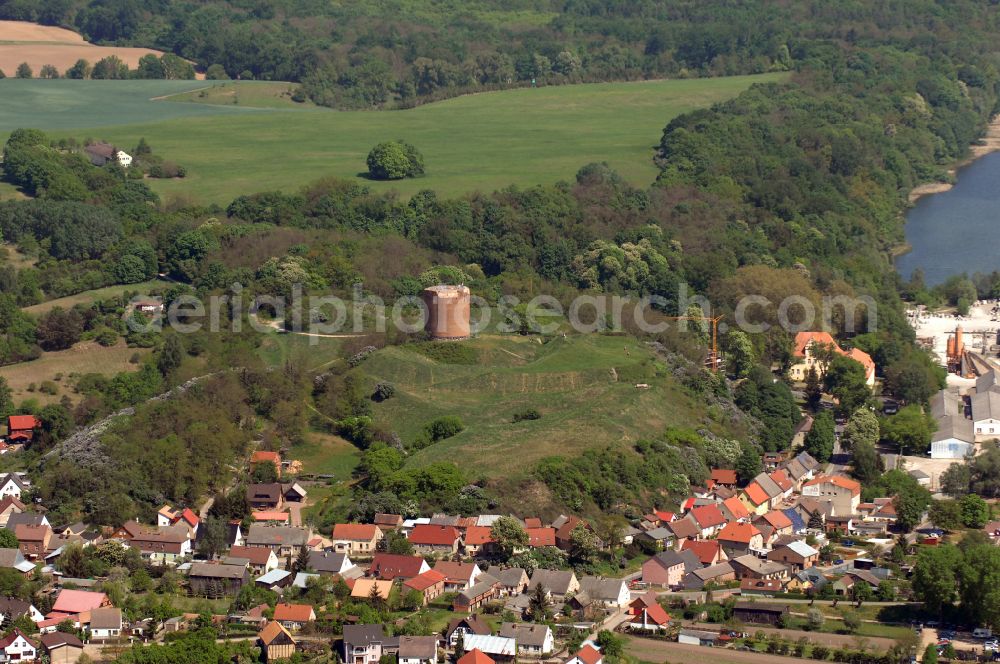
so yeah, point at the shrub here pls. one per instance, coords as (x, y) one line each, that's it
(395, 160)
(526, 414)
(383, 390)
(444, 427)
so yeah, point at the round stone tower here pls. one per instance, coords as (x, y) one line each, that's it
(448, 311)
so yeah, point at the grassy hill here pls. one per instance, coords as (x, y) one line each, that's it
(477, 142)
(584, 387)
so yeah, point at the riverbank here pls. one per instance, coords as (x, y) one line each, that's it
(989, 143)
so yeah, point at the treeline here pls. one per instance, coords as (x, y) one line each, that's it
(166, 66)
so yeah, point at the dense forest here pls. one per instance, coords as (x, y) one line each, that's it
(793, 188)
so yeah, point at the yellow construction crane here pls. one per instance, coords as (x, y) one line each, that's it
(713, 352)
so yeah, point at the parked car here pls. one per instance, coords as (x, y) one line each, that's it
(982, 633)
(991, 645)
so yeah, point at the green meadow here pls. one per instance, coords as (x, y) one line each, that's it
(485, 141)
(584, 387)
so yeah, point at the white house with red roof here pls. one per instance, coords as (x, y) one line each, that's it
(843, 493)
(588, 654)
(652, 618)
(16, 647)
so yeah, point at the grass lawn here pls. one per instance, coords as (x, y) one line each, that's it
(584, 387)
(84, 357)
(276, 348)
(326, 454)
(485, 141)
(254, 94)
(87, 297)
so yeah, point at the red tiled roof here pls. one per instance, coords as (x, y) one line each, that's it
(356, 532)
(706, 550)
(293, 612)
(756, 493)
(588, 655)
(708, 516)
(777, 519)
(456, 572)
(269, 516)
(433, 535)
(804, 339)
(738, 532)
(532, 522)
(16, 422)
(780, 477)
(656, 614)
(665, 517)
(736, 508)
(478, 535)
(10, 638)
(189, 517)
(475, 656)
(724, 476)
(77, 601)
(261, 456)
(837, 480)
(541, 536)
(422, 582)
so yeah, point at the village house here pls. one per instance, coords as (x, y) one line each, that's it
(558, 583)
(759, 614)
(166, 545)
(430, 539)
(266, 457)
(369, 588)
(475, 656)
(260, 559)
(61, 648)
(9, 505)
(661, 536)
(477, 541)
(755, 499)
(697, 637)
(709, 552)
(105, 623)
(12, 485)
(845, 584)
(715, 575)
(683, 529)
(430, 585)
(328, 562)
(217, 580)
(391, 566)
(843, 493)
(388, 522)
(284, 540)
(33, 540)
(499, 648)
(565, 525)
(465, 626)
(356, 539)
(532, 640)
(750, 566)
(588, 654)
(362, 644)
(669, 568)
(776, 522)
(608, 592)
(738, 539)
(650, 618)
(709, 519)
(275, 642)
(458, 576)
(798, 555)
(101, 154)
(485, 590)
(264, 496)
(16, 647)
(734, 510)
(417, 650)
(723, 476)
(275, 580)
(21, 428)
(763, 587)
(12, 608)
(541, 536)
(14, 559)
(513, 580)
(811, 350)
(294, 617)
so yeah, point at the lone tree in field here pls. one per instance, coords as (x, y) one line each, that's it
(24, 71)
(395, 160)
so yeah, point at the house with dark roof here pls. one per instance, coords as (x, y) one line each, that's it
(485, 590)
(669, 568)
(217, 580)
(755, 613)
(329, 562)
(16, 647)
(714, 575)
(362, 644)
(797, 555)
(61, 648)
(417, 650)
(284, 540)
(750, 566)
(533, 640)
(608, 592)
(558, 583)
(513, 580)
(463, 626)
(264, 496)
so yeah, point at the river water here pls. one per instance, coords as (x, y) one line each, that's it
(957, 230)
